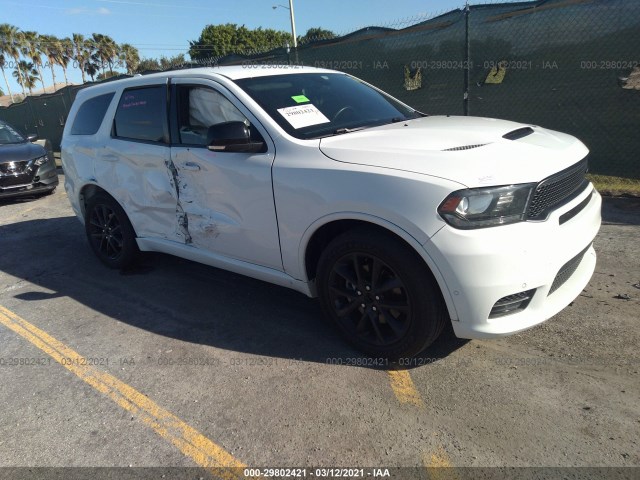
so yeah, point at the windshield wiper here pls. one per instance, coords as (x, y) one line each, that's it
(340, 131)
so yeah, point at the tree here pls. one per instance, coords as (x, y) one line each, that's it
(10, 38)
(220, 40)
(92, 58)
(160, 64)
(51, 47)
(105, 75)
(3, 62)
(92, 70)
(106, 51)
(65, 55)
(148, 64)
(32, 49)
(130, 56)
(315, 34)
(26, 75)
(170, 63)
(79, 53)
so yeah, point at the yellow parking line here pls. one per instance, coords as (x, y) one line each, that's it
(439, 466)
(188, 440)
(404, 388)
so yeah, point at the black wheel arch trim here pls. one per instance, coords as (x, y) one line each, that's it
(84, 200)
(370, 221)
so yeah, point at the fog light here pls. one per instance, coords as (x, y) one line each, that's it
(511, 304)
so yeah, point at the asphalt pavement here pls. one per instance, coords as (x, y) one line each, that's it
(175, 364)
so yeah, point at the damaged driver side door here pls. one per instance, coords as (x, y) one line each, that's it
(226, 197)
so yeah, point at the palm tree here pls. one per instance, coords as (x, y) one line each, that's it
(4, 75)
(51, 47)
(26, 75)
(11, 40)
(92, 58)
(65, 55)
(106, 50)
(32, 50)
(130, 56)
(113, 50)
(79, 53)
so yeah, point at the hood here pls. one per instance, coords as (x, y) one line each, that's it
(469, 150)
(18, 152)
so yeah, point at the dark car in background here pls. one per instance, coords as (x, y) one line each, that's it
(25, 168)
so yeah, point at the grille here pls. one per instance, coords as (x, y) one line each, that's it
(15, 180)
(511, 304)
(13, 167)
(557, 190)
(567, 270)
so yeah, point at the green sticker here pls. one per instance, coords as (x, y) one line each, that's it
(300, 99)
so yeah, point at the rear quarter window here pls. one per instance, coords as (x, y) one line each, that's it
(142, 114)
(90, 115)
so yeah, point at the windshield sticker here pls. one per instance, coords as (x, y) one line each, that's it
(302, 116)
(300, 99)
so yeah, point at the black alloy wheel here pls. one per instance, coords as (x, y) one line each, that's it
(109, 232)
(106, 232)
(370, 299)
(380, 293)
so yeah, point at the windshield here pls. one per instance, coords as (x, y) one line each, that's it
(8, 135)
(313, 105)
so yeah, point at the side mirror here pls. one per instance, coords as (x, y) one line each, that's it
(32, 137)
(232, 137)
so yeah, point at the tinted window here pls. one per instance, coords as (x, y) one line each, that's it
(90, 115)
(142, 114)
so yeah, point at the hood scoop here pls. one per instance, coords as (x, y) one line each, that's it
(519, 133)
(464, 147)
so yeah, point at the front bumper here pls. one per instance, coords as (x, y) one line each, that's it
(44, 180)
(483, 266)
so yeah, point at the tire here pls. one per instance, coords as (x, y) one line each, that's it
(403, 309)
(109, 232)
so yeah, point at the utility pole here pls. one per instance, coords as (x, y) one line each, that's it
(293, 21)
(293, 25)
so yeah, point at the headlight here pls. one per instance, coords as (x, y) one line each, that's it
(40, 161)
(486, 207)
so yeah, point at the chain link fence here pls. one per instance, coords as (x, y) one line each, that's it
(568, 65)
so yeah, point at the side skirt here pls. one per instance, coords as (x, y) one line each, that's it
(237, 266)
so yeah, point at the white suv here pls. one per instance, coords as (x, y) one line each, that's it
(317, 181)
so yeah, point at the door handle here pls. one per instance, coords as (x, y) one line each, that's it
(192, 167)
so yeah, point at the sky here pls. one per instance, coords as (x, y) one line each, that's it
(164, 27)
